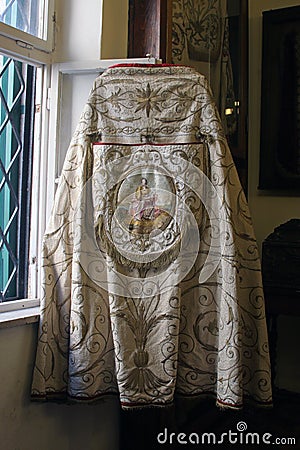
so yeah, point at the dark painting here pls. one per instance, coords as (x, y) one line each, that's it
(280, 113)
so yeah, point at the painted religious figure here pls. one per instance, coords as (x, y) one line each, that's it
(143, 208)
(143, 204)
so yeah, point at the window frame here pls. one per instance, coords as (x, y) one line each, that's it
(17, 113)
(29, 49)
(33, 50)
(38, 202)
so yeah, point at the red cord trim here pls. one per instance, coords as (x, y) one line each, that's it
(156, 144)
(145, 65)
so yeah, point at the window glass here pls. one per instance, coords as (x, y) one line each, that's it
(17, 112)
(25, 15)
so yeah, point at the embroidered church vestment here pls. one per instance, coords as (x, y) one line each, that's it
(151, 273)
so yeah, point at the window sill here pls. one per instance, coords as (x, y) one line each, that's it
(19, 312)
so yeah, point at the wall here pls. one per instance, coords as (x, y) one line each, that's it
(269, 211)
(41, 426)
(78, 30)
(114, 29)
(99, 31)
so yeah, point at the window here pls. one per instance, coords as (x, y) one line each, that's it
(17, 94)
(26, 28)
(25, 15)
(25, 46)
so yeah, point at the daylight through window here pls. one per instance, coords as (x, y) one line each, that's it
(17, 112)
(25, 15)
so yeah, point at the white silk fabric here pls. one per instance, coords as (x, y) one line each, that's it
(152, 284)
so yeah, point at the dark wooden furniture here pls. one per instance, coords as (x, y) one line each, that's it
(149, 29)
(281, 277)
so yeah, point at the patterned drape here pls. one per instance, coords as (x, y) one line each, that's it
(200, 38)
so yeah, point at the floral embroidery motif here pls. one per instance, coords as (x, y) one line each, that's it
(148, 100)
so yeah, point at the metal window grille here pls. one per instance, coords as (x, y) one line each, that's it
(17, 82)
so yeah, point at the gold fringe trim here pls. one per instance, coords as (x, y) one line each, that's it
(165, 258)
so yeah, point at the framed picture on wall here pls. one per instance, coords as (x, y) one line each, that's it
(280, 101)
